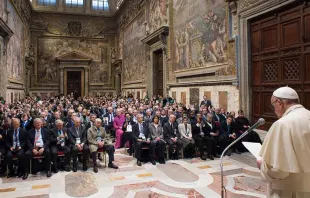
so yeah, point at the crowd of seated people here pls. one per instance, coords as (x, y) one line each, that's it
(46, 127)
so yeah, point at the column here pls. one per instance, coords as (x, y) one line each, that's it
(86, 80)
(3, 80)
(61, 88)
(88, 6)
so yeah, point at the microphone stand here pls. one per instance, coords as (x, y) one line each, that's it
(228, 147)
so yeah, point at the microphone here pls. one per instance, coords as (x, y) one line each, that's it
(260, 122)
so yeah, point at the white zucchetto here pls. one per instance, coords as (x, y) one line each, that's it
(286, 93)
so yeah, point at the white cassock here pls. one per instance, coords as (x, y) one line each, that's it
(286, 155)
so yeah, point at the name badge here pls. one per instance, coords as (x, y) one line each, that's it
(129, 128)
(38, 144)
(78, 140)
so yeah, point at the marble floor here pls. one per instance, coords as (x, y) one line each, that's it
(183, 178)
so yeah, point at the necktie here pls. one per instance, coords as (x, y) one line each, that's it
(15, 137)
(78, 132)
(110, 120)
(228, 129)
(186, 132)
(37, 137)
(59, 132)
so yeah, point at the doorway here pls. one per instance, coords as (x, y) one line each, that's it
(280, 57)
(158, 73)
(74, 83)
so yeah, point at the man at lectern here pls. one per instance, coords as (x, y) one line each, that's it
(285, 153)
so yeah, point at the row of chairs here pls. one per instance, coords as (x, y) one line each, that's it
(60, 154)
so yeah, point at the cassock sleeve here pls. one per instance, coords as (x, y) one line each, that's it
(278, 149)
(271, 174)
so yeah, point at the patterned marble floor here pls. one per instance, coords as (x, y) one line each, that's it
(183, 178)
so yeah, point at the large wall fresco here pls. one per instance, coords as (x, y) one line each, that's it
(199, 33)
(158, 14)
(134, 55)
(51, 48)
(15, 46)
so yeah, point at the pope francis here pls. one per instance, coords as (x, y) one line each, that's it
(285, 153)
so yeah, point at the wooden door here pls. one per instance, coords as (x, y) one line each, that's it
(158, 73)
(74, 82)
(280, 46)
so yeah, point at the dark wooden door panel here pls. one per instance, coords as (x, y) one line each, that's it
(280, 57)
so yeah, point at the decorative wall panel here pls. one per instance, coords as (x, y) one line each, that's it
(134, 54)
(200, 33)
(158, 14)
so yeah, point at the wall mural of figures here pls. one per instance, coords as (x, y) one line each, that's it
(134, 55)
(199, 33)
(15, 46)
(51, 48)
(99, 72)
(158, 14)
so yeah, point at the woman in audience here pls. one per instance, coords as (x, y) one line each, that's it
(188, 142)
(158, 143)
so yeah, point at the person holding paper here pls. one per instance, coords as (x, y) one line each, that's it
(60, 142)
(78, 142)
(96, 137)
(16, 142)
(157, 144)
(284, 157)
(127, 127)
(38, 144)
(141, 138)
(118, 127)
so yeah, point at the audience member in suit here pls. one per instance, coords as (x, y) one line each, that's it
(241, 125)
(110, 116)
(96, 137)
(227, 135)
(212, 132)
(91, 122)
(60, 143)
(157, 140)
(163, 118)
(78, 142)
(187, 140)
(16, 142)
(141, 137)
(217, 116)
(26, 122)
(2, 144)
(56, 116)
(38, 144)
(206, 102)
(84, 118)
(127, 128)
(172, 136)
(148, 117)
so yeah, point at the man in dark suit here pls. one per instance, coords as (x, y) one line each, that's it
(172, 137)
(141, 138)
(206, 102)
(60, 142)
(78, 142)
(26, 122)
(38, 144)
(56, 116)
(110, 117)
(91, 121)
(217, 116)
(163, 118)
(227, 135)
(211, 132)
(16, 142)
(2, 146)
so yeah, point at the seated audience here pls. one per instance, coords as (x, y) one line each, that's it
(172, 137)
(188, 142)
(142, 138)
(59, 142)
(78, 143)
(118, 127)
(96, 137)
(227, 135)
(16, 144)
(212, 132)
(157, 140)
(127, 127)
(38, 144)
